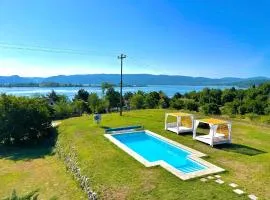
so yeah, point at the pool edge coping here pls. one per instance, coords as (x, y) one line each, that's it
(194, 155)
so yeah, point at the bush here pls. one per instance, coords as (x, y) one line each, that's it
(151, 100)
(230, 108)
(78, 107)
(210, 108)
(103, 106)
(82, 95)
(137, 101)
(63, 110)
(190, 104)
(30, 196)
(113, 97)
(177, 104)
(23, 120)
(267, 110)
(93, 102)
(252, 116)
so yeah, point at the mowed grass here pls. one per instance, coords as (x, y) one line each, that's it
(30, 169)
(116, 175)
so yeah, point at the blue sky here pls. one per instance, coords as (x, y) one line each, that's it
(185, 37)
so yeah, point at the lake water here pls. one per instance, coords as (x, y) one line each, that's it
(170, 90)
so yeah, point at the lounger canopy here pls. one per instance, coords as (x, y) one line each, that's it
(220, 131)
(183, 122)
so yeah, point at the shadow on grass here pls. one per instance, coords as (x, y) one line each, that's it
(29, 152)
(105, 127)
(239, 148)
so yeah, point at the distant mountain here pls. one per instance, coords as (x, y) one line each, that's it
(134, 79)
(19, 79)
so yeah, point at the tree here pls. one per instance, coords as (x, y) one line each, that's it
(105, 86)
(152, 99)
(93, 102)
(78, 107)
(190, 104)
(177, 95)
(127, 96)
(103, 106)
(215, 96)
(231, 108)
(193, 95)
(228, 95)
(205, 96)
(137, 101)
(23, 120)
(177, 104)
(164, 101)
(82, 95)
(113, 98)
(63, 110)
(53, 96)
(210, 108)
(267, 109)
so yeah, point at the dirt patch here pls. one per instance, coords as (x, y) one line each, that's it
(114, 193)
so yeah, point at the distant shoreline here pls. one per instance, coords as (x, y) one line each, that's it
(63, 86)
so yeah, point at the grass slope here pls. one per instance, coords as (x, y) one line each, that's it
(35, 168)
(116, 175)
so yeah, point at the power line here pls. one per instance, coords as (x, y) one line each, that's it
(53, 50)
(38, 48)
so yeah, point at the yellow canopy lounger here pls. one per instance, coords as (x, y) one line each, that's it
(220, 131)
(183, 123)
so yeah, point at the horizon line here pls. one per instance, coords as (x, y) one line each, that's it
(133, 74)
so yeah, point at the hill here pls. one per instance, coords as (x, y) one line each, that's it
(134, 79)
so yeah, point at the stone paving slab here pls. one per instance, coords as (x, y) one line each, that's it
(203, 179)
(238, 191)
(210, 177)
(217, 176)
(219, 181)
(233, 185)
(252, 197)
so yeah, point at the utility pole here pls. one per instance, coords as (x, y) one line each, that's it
(121, 57)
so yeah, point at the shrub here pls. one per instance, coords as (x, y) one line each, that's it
(103, 106)
(151, 100)
(127, 96)
(230, 108)
(93, 102)
(267, 110)
(30, 196)
(63, 110)
(210, 108)
(190, 104)
(177, 104)
(23, 120)
(82, 95)
(137, 101)
(113, 97)
(78, 107)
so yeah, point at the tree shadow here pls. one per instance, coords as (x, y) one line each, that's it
(239, 148)
(29, 152)
(105, 127)
(184, 134)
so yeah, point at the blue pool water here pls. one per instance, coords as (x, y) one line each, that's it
(154, 149)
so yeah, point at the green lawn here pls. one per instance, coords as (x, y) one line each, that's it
(35, 168)
(116, 175)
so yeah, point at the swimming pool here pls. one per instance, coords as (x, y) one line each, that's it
(152, 149)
